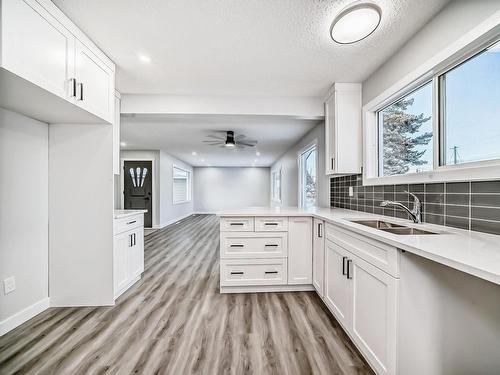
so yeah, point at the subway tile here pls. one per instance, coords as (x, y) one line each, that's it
(417, 188)
(389, 196)
(434, 219)
(378, 189)
(401, 188)
(434, 198)
(389, 188)
(485, 226)
(457, 187)
(434, 188)
(490, 200)
(434, 208)
(457, 222)
(461, 199)
(485, 187)
(486, 213)
(452, 210)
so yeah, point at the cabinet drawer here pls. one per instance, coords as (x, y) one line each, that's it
(127, 223)
(379, 254)
(239, 272)
(253, 245)
(271, 224)
(236, 224)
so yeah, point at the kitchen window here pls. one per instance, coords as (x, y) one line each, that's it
(276, 185)
(308, 185)
(441, 126)
(181, 186)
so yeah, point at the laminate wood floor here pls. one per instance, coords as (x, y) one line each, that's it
(174, 321)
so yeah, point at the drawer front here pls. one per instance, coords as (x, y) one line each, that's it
(237, 224)
(271, 224)
(253, 245)
(377, 253)
(240, 272)
(127, 223)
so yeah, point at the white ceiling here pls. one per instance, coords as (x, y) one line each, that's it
(180, 135)
(239, 47)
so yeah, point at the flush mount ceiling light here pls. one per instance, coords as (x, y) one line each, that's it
(355, 22)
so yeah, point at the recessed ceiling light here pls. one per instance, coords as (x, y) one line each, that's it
(202, 160)
(145, 59)
(355, 22)
(193, 153)
(257, 153)
(123, 144)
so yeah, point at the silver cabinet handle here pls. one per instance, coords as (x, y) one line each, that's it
(236, 245)
(271, 245)
(237, 273)
(135, 240)
(131, 222)
(80, 90)
(344, 272)
(129, 240)
(271, 224)
(270, 272)
(236, 224)
(72, 83)
(349, 262)
(320, 233)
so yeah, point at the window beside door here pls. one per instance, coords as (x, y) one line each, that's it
(181, 185)
(308, 172)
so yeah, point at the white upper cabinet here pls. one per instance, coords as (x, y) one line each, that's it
(47, 64)
(343, 145)
(95, 87)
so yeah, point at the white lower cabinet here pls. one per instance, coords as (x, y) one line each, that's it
(319, 256)
(299, 250)
(363, 298)
(128, 254)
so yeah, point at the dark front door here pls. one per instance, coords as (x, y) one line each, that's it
(138, 188)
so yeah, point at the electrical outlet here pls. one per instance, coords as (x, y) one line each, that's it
(351, 191)
(9, 285)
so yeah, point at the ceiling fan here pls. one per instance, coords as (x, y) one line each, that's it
(229, 140)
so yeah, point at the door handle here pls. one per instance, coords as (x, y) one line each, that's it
(349, 262)
(80, 90)
(344, 272)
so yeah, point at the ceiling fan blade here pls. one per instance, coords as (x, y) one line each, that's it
(239, 137)
(247, 143)
(216, 137)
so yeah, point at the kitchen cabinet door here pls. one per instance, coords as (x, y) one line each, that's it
(338, 288)
(136, 254)
(374, 315)
(95, 90)
(300, 250)
(319, 256)
(121, 249)
(37, 47)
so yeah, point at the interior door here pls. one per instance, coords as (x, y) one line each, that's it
(138, 188)
(338, 288)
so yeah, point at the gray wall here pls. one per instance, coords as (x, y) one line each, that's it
(217, 189)
(457, 18)
(24, 210)
(289, 170)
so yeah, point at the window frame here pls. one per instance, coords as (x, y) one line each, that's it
(458, 53)
(188, 185)
(309, 146)
(278, 172)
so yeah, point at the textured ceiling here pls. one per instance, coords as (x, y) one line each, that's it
(242, 47)
(181, 135)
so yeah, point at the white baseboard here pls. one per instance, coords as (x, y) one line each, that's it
(175, 220)
(266, 288)
(24, 315)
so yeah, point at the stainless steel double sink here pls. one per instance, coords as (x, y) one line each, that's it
(392, 228)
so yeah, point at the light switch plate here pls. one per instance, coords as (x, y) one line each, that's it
(351, 191)
(9, 285)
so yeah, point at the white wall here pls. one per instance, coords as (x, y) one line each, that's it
(170, 212)
(80, 215)
(456, 19)
(23, 212)
(164, 211)
(289, 170)
(217, 189)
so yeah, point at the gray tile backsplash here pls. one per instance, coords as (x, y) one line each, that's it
(466, 205)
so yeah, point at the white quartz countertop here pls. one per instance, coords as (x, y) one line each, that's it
(475, 253)
(118, 214)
